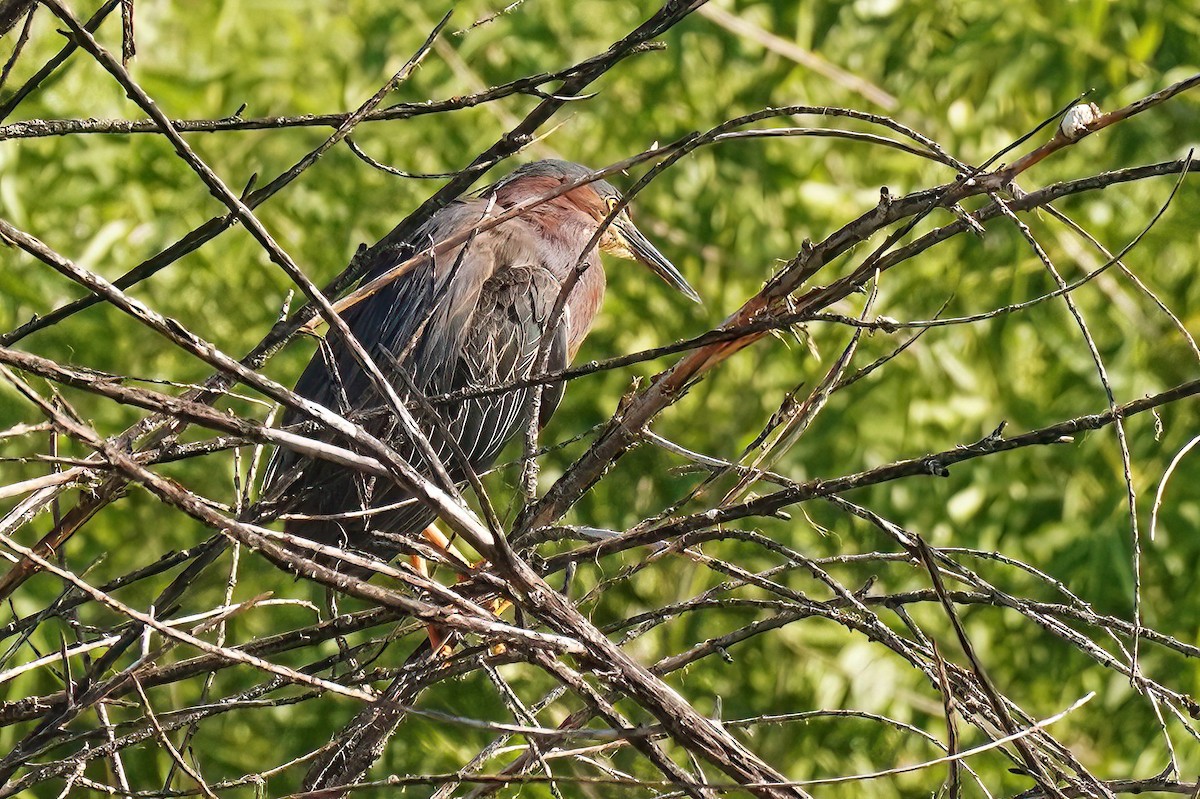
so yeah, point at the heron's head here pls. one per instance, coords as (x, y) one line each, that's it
(599, 199)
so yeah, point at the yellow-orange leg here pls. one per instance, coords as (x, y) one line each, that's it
(439, 540)
(437, 636)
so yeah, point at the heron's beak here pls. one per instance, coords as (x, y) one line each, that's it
(642, 250)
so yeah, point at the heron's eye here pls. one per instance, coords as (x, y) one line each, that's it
(612, 203)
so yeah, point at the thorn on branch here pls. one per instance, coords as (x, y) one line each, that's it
(862, 592)
(628, 396)
(987, 443)
(973, 224)
(285, 308)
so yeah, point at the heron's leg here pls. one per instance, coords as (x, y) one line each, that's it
(439, 539)
(437, 635)
(441, 542)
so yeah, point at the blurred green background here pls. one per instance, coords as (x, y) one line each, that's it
(971, 74)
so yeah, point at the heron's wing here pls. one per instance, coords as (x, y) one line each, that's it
(510, 332)
(464, 322)
(389, 322)
(512, 336)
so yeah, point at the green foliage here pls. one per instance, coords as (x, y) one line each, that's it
(972, 75)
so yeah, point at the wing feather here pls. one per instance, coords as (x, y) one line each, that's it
(468, 321)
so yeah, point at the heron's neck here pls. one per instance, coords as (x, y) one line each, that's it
(563, 230)
(587, 292)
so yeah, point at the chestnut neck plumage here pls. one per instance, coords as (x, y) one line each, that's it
(564, 228)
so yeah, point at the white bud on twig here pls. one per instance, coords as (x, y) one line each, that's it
(1075, 122)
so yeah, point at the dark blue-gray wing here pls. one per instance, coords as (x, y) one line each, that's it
(451, 326)
(399, 321)
(381, 322)
(505, 335)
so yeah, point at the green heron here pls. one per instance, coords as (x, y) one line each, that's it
(475, 316)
